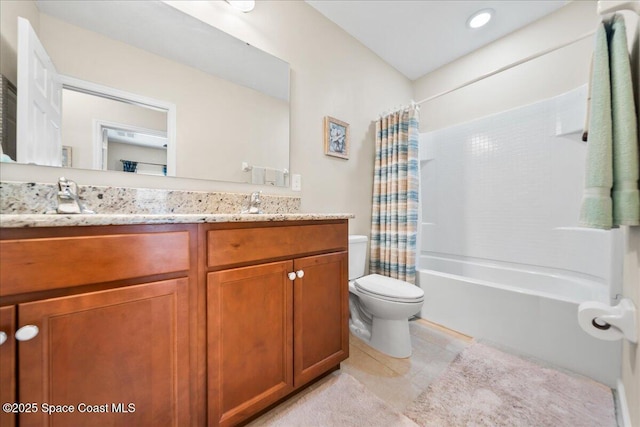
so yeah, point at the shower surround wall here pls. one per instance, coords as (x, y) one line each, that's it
(504, 192)
(508, 188)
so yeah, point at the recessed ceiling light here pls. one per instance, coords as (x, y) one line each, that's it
(480, 18)
(243, 5)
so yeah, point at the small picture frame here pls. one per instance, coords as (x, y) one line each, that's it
(336, 138)
(67, 156)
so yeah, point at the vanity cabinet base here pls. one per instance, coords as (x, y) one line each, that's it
(273, 326)
(169, 324)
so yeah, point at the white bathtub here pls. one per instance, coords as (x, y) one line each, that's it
(531, 312)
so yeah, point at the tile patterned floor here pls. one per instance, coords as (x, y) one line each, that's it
(399, 381)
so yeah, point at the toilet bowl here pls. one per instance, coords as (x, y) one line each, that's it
(379, 306)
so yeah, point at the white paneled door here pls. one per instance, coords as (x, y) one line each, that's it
(39, 102)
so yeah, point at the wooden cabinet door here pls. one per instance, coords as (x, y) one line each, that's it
(122, 353)
(8, 364)
(321, 315)
(249, 342)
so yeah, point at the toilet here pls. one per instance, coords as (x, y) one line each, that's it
(379, 306)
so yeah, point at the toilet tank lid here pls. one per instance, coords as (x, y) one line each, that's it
(357, 238)
(389, 287)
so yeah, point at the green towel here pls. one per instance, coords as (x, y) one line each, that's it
(611, 196)
(626, 198)
(596, 208)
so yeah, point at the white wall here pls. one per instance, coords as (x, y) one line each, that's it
(631, 352)
(331, 74)
(631, 248)
(9, 10)
(536, 80)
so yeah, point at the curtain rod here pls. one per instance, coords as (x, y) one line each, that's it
(144, 163)
(507, 67)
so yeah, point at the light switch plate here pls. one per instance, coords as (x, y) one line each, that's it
(296, 182)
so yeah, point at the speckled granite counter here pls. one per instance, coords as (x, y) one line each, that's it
(54, 220)
(24, 205)
(39, 198)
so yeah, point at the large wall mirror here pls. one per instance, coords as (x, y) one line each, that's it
(141, 87)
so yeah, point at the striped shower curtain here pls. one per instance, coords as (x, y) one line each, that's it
(394, 219)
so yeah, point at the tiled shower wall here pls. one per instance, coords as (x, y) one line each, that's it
(507, 189)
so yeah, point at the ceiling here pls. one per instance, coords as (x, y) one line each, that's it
(419, 36)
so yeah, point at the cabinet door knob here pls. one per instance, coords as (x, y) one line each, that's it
(292, 276)
(27, 332)
(300, 273)
(3, 337)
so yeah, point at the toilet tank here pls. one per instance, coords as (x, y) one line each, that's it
(357, 255)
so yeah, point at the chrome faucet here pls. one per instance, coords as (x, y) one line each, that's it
(68, 200)
(255, 202)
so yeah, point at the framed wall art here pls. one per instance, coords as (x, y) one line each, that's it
(336, 138)
(67, 156)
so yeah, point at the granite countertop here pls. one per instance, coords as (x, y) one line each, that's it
(24, 205)
(59, 220)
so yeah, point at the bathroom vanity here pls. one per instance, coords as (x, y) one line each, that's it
(189, 320)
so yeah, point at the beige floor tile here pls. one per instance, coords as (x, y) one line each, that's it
(423, 354)
(402, 365)
(434, 326)
(362, 362)
(449, 341)
(400, 381)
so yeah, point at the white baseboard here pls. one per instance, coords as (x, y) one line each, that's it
(622, 408)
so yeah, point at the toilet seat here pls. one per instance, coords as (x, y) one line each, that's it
(387, 288)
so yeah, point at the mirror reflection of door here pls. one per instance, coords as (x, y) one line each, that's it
(100, 128)
(39, 102)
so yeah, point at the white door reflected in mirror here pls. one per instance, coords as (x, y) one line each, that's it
(39, 102)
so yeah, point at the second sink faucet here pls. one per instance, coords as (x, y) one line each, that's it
(255, 203)
(68, 199)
